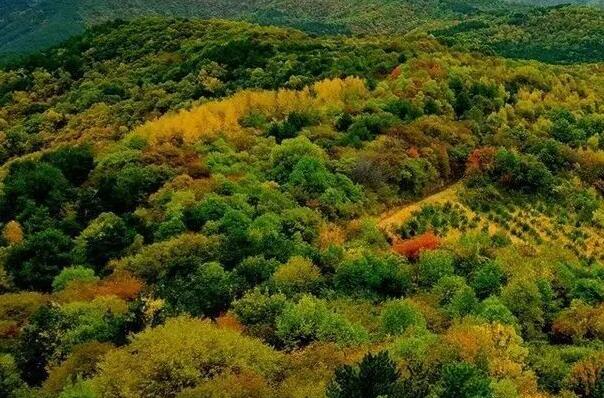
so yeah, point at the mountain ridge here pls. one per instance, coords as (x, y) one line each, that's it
(31, 25)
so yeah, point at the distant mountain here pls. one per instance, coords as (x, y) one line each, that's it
(27, 25)
(549, 3)
(562, 34)
(573, 34)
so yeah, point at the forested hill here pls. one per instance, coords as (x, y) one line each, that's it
(28, 25)
(31, 25)
(211, 208)
(562, 34)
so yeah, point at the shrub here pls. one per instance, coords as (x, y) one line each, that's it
(589, 290)
(12, 233)
(120, 284)
(239, 384)
(256, 308)
(412, 248)
(74, 162)
(456, 297)
(33, 183)
(586, 378)
(524, 299)
(178, 255)
(578, 322)
(19, 307)
(81, 363)
(255, 270)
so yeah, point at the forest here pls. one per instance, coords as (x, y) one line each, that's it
(218, 209)
(554, 31)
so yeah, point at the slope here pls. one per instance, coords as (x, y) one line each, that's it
(29, 25)
(205, 217)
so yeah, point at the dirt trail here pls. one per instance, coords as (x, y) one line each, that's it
(394, 217)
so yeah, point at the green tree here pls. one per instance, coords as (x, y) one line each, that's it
(398, 316)
(493, 310)
(206, 291)
(33, 183)
(37, 344)
(373, 275)
(182, 353)
(34, 263)
(103, 239)
(70, 274)
(310, 319)
(298, 275)
(524, 299)
(10, 380)
(74, 162)
(375, 376)
(488, 279)
(461, 379)
(434, 265)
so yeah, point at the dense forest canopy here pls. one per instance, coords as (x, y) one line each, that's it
(558, 35)
(32, 25)
(217, 209)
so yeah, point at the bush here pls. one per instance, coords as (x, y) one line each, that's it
(524, 299)
(521, 172)
(74, 162)
(550, 368)
(81, 363)
(586, 378)
(589, 290)
(244, 384)
(403, 109)
(256, 308)
(455, 296)
(80, 389)
(33, 183)
(412, 248)
(19, 307)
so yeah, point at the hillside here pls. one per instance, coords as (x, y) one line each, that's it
(559, 34)
(32, 25)
(193, 208)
